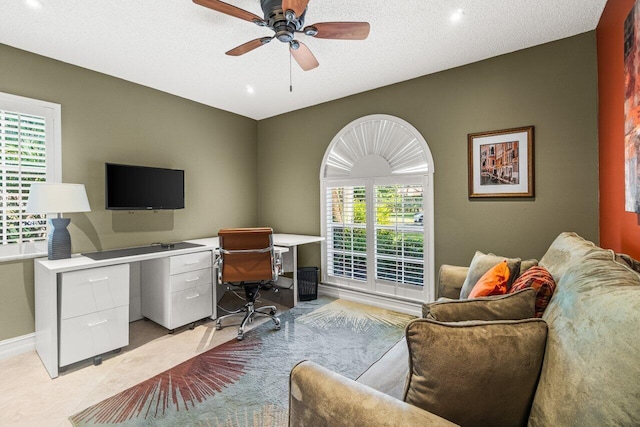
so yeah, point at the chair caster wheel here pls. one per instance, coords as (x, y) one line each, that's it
(240, 337)
(272, 312)
(277, 327)
(218, 326)
(277, 322)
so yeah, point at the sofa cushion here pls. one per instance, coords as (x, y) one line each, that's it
(493, 282)
(540, 279)
(634, 264)
(450, 280)
(389, 372)
(480, 264)
(565, 251)
(512, 306)
(526, 264)
(591, 371)
(491, 368)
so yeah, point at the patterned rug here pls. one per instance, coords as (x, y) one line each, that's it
(246, 383)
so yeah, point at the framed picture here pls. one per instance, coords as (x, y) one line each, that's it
(501, 163)
(631, 109)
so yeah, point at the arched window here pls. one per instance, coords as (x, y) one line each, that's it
(377, 210)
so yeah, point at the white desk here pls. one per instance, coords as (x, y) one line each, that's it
(290, 259)
(48, 273)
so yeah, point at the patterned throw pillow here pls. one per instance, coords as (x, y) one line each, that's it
(539, 279)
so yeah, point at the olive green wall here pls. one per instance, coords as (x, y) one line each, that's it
(552, 87)
(105, 119)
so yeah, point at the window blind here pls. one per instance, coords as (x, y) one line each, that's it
(346, 232)
(22, 162)
(399, 234)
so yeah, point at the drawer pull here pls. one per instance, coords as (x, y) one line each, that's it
(99, 279)
(97, 323)
(191, 263)
(195, 279)
(193, 296)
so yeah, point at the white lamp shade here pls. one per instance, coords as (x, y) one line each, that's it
(57, 198)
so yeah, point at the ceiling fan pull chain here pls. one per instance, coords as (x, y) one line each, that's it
(290, 78)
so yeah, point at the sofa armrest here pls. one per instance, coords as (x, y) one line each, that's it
(450, 280)
(320, 397)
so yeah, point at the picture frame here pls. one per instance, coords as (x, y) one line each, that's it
(631, 104)
(501, 163)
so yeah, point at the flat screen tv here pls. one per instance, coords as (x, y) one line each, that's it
(130, 187)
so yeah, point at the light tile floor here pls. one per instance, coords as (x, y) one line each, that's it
(29, 397)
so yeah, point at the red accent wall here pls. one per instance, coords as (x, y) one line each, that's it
(619, 230)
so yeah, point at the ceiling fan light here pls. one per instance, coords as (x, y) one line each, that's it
(290, 15)
(311, 31)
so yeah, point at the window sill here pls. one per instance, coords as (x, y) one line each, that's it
(21, 251)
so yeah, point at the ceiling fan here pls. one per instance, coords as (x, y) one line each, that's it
(286, 18)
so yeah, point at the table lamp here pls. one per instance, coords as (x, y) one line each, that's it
(45, 198)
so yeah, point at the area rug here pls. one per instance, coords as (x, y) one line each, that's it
(246, 383)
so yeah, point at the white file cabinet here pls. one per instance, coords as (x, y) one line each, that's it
(177, 290)
(94, 312)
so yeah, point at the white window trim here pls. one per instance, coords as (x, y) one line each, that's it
(53, 116)
(429, 286)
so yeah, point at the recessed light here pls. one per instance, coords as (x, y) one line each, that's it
(457, 15)
(250, 89)
(33, 4)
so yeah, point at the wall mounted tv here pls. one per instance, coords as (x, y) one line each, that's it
(130, 187)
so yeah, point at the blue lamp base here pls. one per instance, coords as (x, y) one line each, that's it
(59, 244)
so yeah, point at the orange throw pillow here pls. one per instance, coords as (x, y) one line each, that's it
(493, 282)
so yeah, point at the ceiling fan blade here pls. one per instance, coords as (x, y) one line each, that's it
(339, 30)
(249, 46)
(298, 6)
(229, 10)
(304, 57)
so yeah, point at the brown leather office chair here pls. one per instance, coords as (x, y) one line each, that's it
(247, 260)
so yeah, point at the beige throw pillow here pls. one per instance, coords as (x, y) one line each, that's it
(480, 264)
(475, 373)
(515, 306)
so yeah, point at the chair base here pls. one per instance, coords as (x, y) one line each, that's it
(250, 311)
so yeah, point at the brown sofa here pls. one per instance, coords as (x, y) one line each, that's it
(590, 365)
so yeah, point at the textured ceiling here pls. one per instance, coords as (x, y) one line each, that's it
(178, 47)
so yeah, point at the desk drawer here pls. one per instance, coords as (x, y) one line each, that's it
(190, 305)
(96, 289)
(189, 262)
(190, 279)
(93, 334)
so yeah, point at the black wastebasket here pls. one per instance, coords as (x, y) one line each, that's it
(307, 283)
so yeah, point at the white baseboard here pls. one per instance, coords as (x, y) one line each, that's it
(18, 345)
(402, 306)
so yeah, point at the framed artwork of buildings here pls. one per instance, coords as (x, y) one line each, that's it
(501, 163)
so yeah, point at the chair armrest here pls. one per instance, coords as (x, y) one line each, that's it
(278, 266)
(450, 280)
(320, 397)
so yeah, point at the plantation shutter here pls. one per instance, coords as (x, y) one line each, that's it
(399, 233)
(22, 162)
(346, 232)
